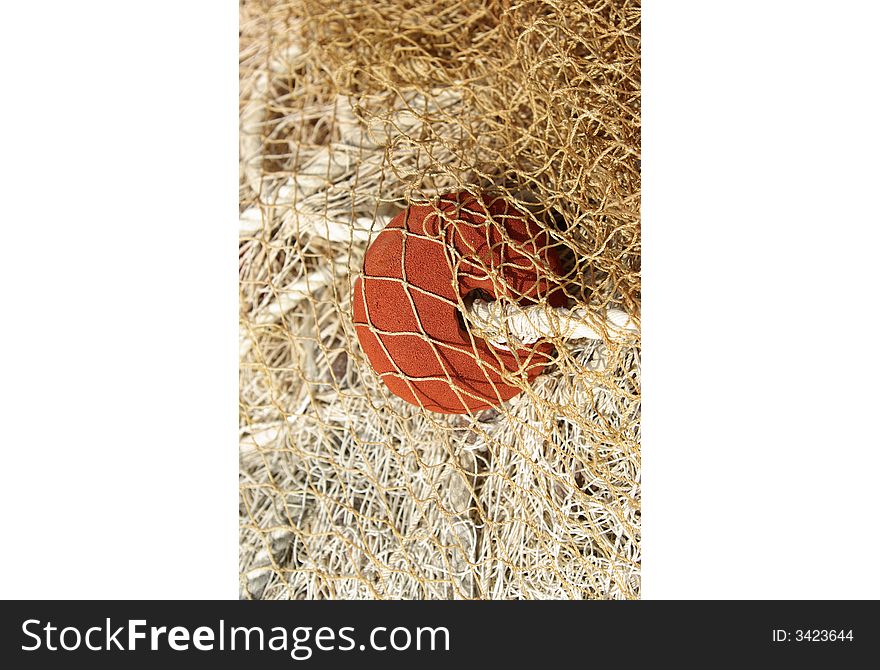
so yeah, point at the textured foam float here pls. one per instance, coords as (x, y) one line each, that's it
(407, 310)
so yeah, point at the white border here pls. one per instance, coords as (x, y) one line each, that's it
(119, 392)
(760, 232)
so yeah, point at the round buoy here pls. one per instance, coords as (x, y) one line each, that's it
(406, 304)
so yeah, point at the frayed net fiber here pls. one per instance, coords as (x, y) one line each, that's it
(351, 112)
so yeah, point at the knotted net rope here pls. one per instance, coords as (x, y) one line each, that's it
(350, 112)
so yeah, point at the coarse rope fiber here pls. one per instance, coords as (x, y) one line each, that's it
(350, 112)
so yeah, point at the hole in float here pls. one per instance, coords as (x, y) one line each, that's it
(468, 299)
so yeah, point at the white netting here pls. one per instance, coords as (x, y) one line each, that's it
(349, 114)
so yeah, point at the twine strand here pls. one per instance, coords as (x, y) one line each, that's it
(503, 322)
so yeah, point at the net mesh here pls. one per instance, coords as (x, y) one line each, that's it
(349, 114)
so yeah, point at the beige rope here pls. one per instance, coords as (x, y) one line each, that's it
(502, 322)
(348, 117)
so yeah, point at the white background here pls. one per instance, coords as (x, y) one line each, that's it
(119, 319)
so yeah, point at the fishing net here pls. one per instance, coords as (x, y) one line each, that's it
(350, 113)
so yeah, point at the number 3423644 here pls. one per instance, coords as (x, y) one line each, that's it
(816, 635)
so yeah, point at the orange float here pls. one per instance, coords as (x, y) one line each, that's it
(407, 310)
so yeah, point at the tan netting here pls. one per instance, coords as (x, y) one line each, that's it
(350, 112)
